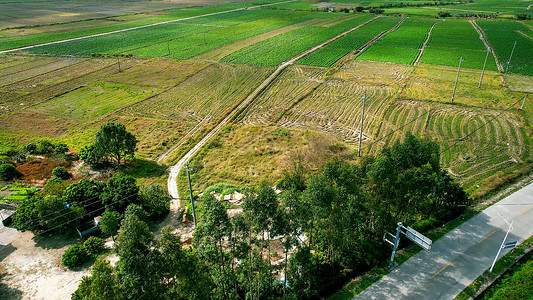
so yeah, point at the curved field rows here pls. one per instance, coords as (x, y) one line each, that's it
(293, 84)
(473, 143)
(201, 98)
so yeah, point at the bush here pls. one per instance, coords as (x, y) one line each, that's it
(8, 172)
(4, 159)
(61, 173)
(61, 148)
(31, 147)
(74, 256)
(94, 245)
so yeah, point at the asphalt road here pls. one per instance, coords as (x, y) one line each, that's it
(460, 256)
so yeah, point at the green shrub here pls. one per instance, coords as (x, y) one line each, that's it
(4, 159)
(8, 172)
(31, 147)
(61, 148)
(61, 173)
(94, 245)
(74, 256)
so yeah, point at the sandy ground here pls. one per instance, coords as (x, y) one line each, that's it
(30, 268)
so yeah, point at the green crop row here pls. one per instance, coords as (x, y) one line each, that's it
(502, 35)
(453, 39)
(352, 41)
(280, 48)
(401, 46)
(193, 45)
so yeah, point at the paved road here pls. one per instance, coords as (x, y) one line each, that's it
(460, 256)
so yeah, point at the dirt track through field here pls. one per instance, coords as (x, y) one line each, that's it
(424, 46)
(487, 44)
(138, 27)
(174, 170)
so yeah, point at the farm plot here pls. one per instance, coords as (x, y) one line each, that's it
(336, 50)
(502, 35)
(278, 49)
(434, 83)
(470, 149)
(190, 46)
(200, 100)
(76, 107)
(122, 41)
(401, 46)
(452, 39)
(302, 98)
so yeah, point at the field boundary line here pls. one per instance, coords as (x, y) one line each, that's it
(77, 86)
(376, 38)
(525, 35)
(138, 27)
(417, 60)
(483, 37)
(174, 170)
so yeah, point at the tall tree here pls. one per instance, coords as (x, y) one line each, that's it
(113, 140)
(85, 194)
(155, 200)
(121, 191)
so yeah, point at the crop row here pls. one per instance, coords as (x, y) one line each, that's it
(452, 39)
(133, 39)
(124, 23)
(401, 46)
(336, 50)
(280, 48)
(190, 46)
(502, 35)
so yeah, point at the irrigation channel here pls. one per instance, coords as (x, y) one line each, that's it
(139, 27)
(174, 170)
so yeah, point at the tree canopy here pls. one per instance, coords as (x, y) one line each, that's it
(114, 141)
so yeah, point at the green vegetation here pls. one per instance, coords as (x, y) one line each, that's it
(502, 35)
(401, 46)
(331, 53)
(74, 256)
(342, 210)
(273, 51)
(453, 39)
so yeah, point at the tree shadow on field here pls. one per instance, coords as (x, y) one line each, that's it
(5, 251)
(144, 168)
(7, 292)
(56, 240)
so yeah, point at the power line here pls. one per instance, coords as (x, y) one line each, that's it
(52, 213)
(80, 217)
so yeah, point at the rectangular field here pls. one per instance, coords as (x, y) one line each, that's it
(452, 39)
(333, 52)
(278, 49)
(502, 35)
(401, 46)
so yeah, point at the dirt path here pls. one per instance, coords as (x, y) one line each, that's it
(417, 60)
(487, 44)
(138, 27)
(525, 35)
(174, 170)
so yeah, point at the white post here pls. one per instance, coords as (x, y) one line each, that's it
(484, 65)
(503, 243)
(523, 101)
(361, 129)
(457, 77)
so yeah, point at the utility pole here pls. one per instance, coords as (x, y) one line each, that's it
(118, 61)
(484, 65)
(509, 62)
(361, 129)
(523, 101)
(190, 192)
(503, 242)
(457, 78)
